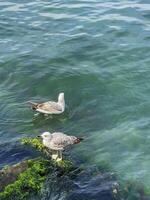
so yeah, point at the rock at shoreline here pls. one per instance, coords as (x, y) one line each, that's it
(10, 174)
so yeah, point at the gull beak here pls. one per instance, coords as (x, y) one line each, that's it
(39, 136)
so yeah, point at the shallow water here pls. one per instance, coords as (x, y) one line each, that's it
(98, 53)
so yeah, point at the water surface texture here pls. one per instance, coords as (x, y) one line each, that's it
(98, 53)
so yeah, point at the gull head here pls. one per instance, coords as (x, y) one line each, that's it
(46, 135)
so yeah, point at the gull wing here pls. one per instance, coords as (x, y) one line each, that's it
(49, 107)
(60, 140)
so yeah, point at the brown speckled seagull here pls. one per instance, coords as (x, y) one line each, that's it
(50, 107)
(57, 142)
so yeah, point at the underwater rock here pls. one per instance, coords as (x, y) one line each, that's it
(87, 183)
(134, 190)
(92, 184)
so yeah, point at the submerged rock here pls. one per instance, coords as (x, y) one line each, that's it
(134, 190)
(87, 184)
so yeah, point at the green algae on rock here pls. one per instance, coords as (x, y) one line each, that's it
(34, 142)
(10, 174)
(29, 181)
(37, 144)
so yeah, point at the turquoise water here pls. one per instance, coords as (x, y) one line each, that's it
(98, 53)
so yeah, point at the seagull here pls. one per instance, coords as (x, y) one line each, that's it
(50, 107)
(57, 142)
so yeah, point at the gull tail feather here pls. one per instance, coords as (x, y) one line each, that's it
(78, 140)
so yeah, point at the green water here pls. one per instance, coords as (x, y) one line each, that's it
(98, 53)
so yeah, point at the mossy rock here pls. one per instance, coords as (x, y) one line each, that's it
(10, 174)
(29, 181)
(28, 177)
